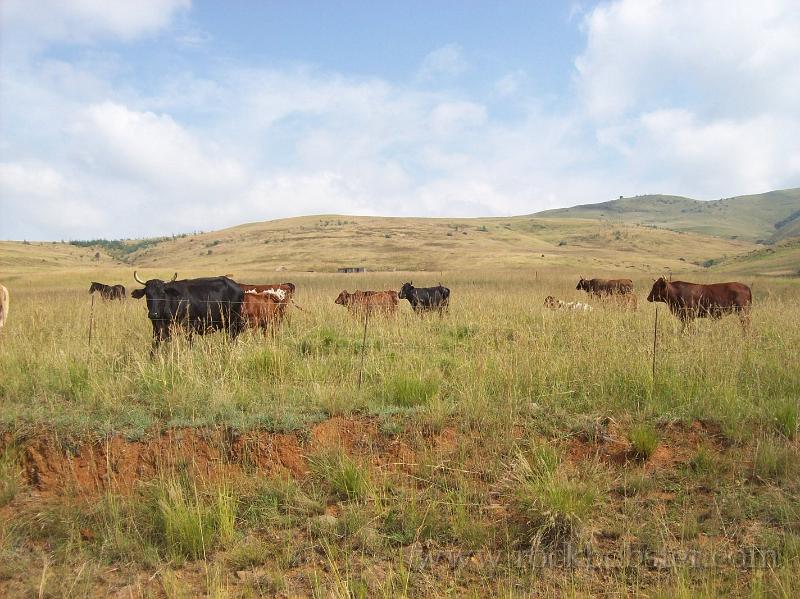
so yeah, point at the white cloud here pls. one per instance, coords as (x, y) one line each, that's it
(84, 20)
(724, 58)
(665, 104)
(447, 61)
(38, 200)
(154, 150)
(509, 84)
(697, 98)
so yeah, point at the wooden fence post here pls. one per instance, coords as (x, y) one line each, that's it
(655, 346)
(363, 347)
(91, 321)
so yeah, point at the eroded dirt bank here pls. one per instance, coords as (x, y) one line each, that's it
(53, 466)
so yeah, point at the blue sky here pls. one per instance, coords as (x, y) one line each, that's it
(153, 117)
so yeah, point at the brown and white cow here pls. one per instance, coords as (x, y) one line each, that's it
(265, 305)
(383, 302)
(601, 287)
(688, 301)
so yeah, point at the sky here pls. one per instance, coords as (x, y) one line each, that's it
(155, 117)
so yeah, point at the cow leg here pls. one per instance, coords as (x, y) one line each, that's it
(160, 334)
(744, 316)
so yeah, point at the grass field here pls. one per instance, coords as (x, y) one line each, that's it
(504, 450)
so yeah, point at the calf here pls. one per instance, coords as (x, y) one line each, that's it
(601, 287)
(426, 299)
(383, 302)
(108, 292)
(688, 301)
(556, 304)
(264, 309)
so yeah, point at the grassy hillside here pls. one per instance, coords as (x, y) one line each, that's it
(767, 217)
(780, 260)
(324, 243)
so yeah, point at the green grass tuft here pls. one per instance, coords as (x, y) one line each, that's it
(408, 391)
(346, 479)
(643, 439)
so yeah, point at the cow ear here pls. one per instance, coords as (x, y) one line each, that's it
(137, 293)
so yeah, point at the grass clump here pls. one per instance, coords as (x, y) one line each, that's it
(774, 460)
(409, 392)
(551, 506)
(9, 475)
(643, 439)
(189, 524)
(346, 479)
(784, 419)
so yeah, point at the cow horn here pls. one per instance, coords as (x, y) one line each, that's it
(175, 276)
(138, 280)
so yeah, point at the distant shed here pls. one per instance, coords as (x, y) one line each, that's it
(351, 269)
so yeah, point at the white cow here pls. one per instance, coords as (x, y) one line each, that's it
(556, 304)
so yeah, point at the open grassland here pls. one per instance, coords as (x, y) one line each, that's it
(501, 450)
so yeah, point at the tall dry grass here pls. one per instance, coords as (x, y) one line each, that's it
(498, 357)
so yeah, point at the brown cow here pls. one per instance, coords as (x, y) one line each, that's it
(601, 287)
(688, 301)
(374, 301)
(265, 305)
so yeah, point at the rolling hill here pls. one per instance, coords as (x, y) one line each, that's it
(766, 217)
(326, 243)
(645, 234)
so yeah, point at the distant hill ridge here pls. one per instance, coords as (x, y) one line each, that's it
(765, 218)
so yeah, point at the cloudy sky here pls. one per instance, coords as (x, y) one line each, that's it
(149, 117)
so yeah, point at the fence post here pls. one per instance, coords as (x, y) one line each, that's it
(655, 346)
(91, 321)
(363, 347)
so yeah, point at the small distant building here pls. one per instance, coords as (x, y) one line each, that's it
(351, 269)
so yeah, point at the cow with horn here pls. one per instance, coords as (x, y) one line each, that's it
(197, 306)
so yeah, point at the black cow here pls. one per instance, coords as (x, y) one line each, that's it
(197, 305)
(426, 299)
(108, 292)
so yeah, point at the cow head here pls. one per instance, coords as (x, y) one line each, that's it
(343, 299)
(95, 287)
(583, 285)
(158, 292)
(551, 302)
(405, 290)
(660, 290)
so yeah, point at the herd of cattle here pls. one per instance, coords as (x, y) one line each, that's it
(210, 304)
